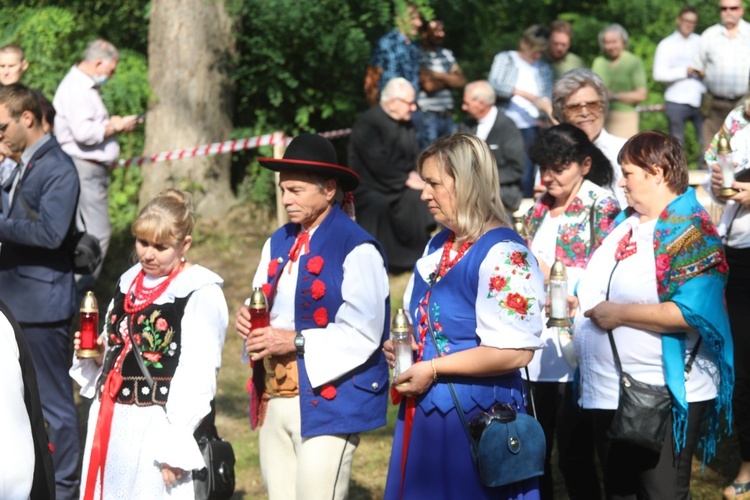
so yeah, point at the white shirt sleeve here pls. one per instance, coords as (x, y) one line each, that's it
(356, 333)
(17, 459)
(204, 326)
(664, 71)
(510, 298)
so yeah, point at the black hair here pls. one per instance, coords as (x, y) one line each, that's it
(566, 143)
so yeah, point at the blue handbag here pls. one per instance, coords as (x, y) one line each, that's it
(506, 446)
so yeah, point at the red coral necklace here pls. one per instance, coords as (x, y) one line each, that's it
(445, 261)
(139, 297)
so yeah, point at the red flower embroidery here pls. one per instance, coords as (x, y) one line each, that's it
(723, 267)
(517, 302)
(518, 259)
(315, 264)
(708, 228)
(321, 316)
(266, 287)
(140, 319)
(578, 248)
(273, 266)
(113, 319)
(161, 324)
(664, 214)
(497, 283)
(662, 265)
(152, 356)
(328, 392)
(318, 289)
(137, 338)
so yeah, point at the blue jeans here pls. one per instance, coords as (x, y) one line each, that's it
(433, 125)
(678, 115)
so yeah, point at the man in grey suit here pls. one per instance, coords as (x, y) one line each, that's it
(36, 276)
(501, 135)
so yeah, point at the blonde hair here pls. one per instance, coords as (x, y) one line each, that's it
(471, 165)
(167, 219)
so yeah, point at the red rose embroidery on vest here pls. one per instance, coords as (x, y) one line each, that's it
(328, 392)
(321, 316)
(318, 289)
(315, 264)
(273, 266)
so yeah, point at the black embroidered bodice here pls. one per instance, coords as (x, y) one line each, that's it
(157, 332)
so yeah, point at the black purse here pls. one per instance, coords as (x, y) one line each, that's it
(643, 409)
(506, 446)
(216, 480)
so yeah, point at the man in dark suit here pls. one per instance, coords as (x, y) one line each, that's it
(501, 135)
(36, 278)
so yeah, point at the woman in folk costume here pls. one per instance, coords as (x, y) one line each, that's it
(479, 289)
(172, 315)
(568, 222)
(657, 282)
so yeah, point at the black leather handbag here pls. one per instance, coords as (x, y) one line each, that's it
(216, 480)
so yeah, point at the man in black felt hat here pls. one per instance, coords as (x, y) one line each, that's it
(319, 376)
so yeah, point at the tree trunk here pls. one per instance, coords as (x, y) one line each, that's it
(190, 43)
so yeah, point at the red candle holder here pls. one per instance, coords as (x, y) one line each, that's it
(89, 327)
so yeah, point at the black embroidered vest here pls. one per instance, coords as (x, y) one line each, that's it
(157, 331)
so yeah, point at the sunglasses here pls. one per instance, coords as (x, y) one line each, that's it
(502, 412)
(592, 106)
(736, 7)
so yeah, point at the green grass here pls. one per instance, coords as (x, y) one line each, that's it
(232, 249)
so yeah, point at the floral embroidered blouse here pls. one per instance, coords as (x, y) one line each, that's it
(575, 242)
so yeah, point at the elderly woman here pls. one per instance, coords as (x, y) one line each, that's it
(580, 98)
(734, 229)
(478, 288)
(657, 284)
(568, 222)
(623, 73)
(166, 322)
(524, 83)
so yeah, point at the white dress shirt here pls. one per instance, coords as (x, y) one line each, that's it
(725, 61)
(673, 56)
(485, 124)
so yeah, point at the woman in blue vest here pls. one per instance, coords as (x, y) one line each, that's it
(480, 291)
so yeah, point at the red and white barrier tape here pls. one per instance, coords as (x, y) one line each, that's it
(224, 147)
(647, 108)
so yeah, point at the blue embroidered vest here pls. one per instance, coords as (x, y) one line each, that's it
(452, 305)
(360, 399)
(157, 330)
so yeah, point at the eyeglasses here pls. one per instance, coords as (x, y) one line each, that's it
(722, 8)
(502, 412)
(592, 106)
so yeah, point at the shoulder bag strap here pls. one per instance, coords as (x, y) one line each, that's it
(454, 396)
(618, 365)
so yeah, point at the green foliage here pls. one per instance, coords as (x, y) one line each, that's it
(54, 39)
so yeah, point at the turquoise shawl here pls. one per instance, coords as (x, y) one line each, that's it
(691, 271)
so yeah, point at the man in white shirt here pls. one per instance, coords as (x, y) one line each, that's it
(319, 376)
(87, 132)
(723, 60)
(501, 135)
(673, 67)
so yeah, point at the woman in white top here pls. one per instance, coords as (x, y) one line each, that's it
(167, 320)
(657, 281)
(568, 222)
(734, 229)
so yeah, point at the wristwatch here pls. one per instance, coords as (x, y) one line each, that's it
(299, 343)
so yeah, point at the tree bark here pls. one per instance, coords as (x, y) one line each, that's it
(190, 44)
